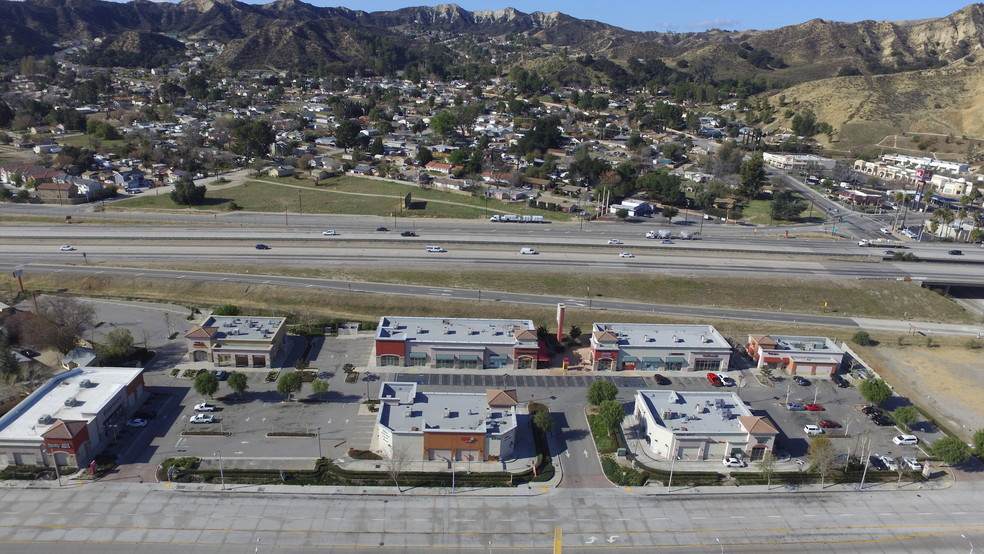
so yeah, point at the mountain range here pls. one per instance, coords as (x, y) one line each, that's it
(918, 66)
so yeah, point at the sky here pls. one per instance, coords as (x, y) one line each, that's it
(693, 15)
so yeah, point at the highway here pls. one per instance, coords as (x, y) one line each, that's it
(153, 518)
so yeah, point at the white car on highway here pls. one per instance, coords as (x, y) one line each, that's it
(329, 233)
(626, 255)
(614, 241)
(66, 248)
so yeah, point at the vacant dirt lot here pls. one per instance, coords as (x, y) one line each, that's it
(945, 381)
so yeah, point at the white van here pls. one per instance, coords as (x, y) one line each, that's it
(813, 430)
(435, 249)
(906, 440)
(527, 251)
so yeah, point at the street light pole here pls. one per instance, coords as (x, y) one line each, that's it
(221, 470)
(319, 444)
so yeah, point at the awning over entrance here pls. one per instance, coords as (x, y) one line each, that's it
(772, 359)
(444, 357)
(418, 356)
(652, 360)
(468, 358)
(676, 360)
(630, 359)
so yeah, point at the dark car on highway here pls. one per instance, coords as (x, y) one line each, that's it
(262, 247)
(408, 234)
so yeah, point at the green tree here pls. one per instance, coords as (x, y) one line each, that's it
(752, 175)
(542, 421)
(979, 442)
(376, 146)
(821, 454)
(669, 212)
(320, 387)
(622, 213)
(861, 338)
(600, 391)
(206, 383)
(575, 332)
(875, 390)
(289, 383)
(9, 368)
(347, 134)
(424, 156)
(187, 193)
(767, 465)
(116, 347)
(444, 124)
(611, 413)
(951, 450)
(905, 416)
(237, 382)
(253, 138)
(785, 207)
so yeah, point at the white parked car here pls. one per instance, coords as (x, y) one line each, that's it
(812, 430)
(889, 462)
(202, 418)
(626, 255)
(905, 440)
(726, 379)
(329, 233)
(911, 463)
(733, 462)
(204, 407)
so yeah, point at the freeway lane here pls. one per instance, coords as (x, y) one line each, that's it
(424, 291)
(107, 517)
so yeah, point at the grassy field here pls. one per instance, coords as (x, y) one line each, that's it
(83, 141)
(341, 195)
(875, 299)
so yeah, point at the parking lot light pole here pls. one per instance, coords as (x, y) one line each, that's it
(221, 470)
(319, 444)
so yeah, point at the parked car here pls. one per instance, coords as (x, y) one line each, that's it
(329, 233)
(869, 410)
(889, 462)
(801, 381)
(840, 381)
(204, 407)
(626, 255)
(262, 247)
(714, 379)
(812, 430)
(828, 424)
(137, 422)
(907, 440)
(202, 418)
(67, 248)
(733, 462)
(881, 420)
(794, 407)
(813, 407)
(876, 462)
(726, 379)
(661, 379)
(221, 375)
(911, 464)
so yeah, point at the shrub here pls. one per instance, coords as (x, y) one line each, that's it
(861, 338)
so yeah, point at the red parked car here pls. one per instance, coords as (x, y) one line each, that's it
(827, 424)
(813, 407)
(714, 379)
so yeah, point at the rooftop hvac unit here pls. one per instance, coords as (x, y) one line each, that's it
(45, 419)
(85, 383)
(70, 401)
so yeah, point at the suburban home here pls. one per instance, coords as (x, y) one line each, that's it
(795, 355)
(657, 347)
(694, 425)
(280, 171)
(449, 426)
(71, 417)
(59, 193)
(128, 178)
(407, 341)
(237, 341)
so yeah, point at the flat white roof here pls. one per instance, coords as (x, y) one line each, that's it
(417, 412)
(105, 383)
(664, 336)
(686, 412)
(450, 330)
(245, 328)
